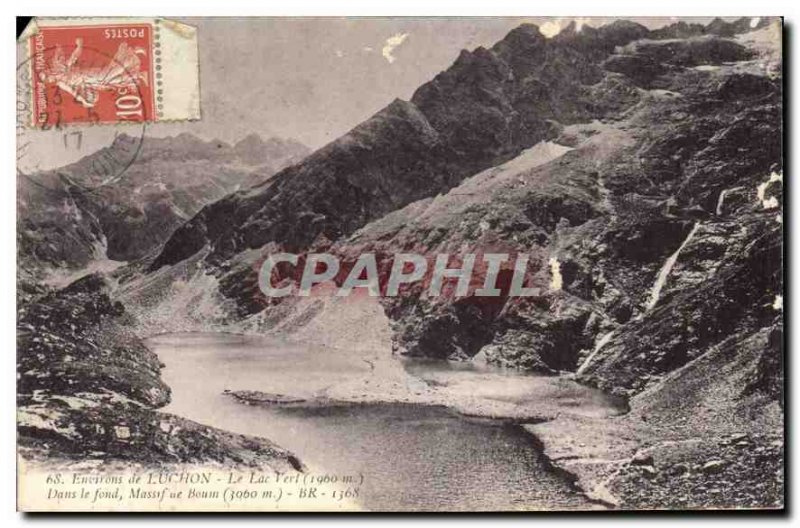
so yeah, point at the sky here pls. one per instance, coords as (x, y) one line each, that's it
(314, 79)
(311, 79)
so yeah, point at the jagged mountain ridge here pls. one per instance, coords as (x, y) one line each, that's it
(76, 218)
(482, 111)
(718, 27)
(485, 109)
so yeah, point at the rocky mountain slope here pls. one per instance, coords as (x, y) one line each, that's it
(647, 139)
(72, 216)
(88, 390)
(485, 109)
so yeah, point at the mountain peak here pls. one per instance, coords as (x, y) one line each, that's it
(571, 28)
(251, 140)
(523, 36)
(122, 139)
(621, 32)
(531, 30)
(188, 137)
(254, 150)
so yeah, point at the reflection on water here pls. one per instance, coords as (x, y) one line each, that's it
(412, 457)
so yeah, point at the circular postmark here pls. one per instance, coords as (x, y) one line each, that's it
(89, 153)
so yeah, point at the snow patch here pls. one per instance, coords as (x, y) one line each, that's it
(40, 417)
(61, 278)
(550, 29)
(75, 402)
(655, 293)
(771, 202)
(557, 281)
(604, 339)
(479, 188)
(778, 303)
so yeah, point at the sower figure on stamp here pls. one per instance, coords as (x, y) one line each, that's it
(85, 84)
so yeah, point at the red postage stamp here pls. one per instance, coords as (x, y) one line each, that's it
(110, 71)
(92, 74)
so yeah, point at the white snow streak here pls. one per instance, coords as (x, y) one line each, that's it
(655, 293)
(721, 199)
(778, 304)
(555, 269)
(771, 202)
(605, 338)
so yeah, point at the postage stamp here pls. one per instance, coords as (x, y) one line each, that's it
(111, 71)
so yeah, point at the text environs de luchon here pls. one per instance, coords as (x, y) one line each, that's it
(481, 275)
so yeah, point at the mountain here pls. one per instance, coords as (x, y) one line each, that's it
(485, 109)
(640, 171)
(71, 216)
(253, 150)
(718, 27)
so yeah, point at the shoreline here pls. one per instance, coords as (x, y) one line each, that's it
(519, 416)
(571, 479)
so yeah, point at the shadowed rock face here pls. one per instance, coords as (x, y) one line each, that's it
(670, 136)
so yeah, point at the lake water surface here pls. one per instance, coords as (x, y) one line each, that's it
(412, 457)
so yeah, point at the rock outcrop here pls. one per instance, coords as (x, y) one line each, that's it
(89, 389)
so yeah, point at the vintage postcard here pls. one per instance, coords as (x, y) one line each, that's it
(400, 264)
